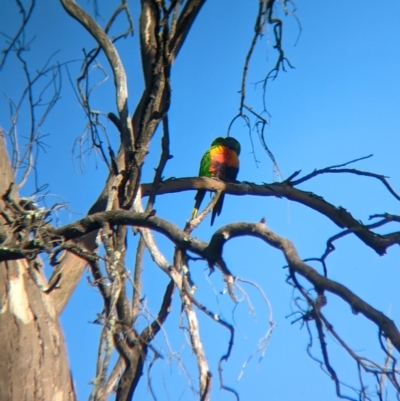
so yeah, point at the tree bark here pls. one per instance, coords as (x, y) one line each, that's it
(33, 362)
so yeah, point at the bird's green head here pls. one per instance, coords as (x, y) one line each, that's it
(218, 141)
(232, 144)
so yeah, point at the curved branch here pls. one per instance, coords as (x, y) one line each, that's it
(121, 217)
(357, 304)
(334, 169)
(120, 80)
(212, 252)
(337, 215)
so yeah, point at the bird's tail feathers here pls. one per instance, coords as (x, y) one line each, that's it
(217, 208)
(198, 198)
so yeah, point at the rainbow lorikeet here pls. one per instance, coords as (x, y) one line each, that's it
(220, 161)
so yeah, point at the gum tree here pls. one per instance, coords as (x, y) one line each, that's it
(31, 301)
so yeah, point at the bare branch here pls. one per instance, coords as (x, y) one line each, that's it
(213, 251)
(224, 358)
(260, 231)
(336, 169)
(205, 377)
(184, 24)
(151, 331)
(26, 14)
(120, 80)
(110, 384)
(338, 215)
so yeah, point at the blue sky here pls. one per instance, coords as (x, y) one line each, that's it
(340, 102)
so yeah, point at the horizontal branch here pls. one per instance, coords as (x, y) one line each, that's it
(212, 252)
(96, 221)
(338, 215)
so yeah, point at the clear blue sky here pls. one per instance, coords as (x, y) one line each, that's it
(341, 102)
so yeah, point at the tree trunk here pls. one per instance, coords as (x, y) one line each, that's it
(33, 361)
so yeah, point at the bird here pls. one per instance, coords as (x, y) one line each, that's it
(220, 161)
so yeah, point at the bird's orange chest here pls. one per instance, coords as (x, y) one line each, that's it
(222, 157)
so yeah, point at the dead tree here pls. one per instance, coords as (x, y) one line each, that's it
(32, 303)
